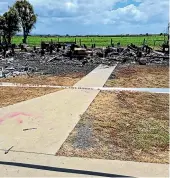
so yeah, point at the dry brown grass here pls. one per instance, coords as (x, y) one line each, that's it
(141, 77)
(45, 80)
(10, 95)
(13, 95)
(125, 126)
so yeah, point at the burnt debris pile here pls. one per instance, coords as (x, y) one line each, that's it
(68, 57)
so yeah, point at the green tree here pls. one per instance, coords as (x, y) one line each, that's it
(9, 24)
(2, 25)
(27, 17)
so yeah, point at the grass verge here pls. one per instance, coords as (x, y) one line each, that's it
(12, 95)
(140, 77)
(45, 80)
(122, 126)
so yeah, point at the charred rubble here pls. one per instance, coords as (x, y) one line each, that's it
(68, 57)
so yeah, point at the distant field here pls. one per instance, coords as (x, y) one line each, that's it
(99, 41)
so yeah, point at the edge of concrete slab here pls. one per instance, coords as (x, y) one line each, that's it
(43, 165)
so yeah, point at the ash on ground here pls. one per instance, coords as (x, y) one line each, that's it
(69, 58)
(83, 139)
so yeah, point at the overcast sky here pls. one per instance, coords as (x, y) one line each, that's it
(79, 17)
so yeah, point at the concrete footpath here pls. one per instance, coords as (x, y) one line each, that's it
(50, 118)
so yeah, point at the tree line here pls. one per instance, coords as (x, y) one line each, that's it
(19, 17)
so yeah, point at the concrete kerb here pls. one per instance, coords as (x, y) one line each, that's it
(20, 164)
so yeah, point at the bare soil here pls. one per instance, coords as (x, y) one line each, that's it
(137, 76)
(122, 126)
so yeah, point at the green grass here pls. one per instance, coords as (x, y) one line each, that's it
(99, 41)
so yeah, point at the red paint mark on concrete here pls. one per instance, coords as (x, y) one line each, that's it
(13, 115)
(1, 120)
(20, 121)
(18, 114)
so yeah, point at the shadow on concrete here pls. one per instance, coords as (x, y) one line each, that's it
(55, 169)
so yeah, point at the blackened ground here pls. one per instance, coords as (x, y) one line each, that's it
(60, 66)
(66, 69)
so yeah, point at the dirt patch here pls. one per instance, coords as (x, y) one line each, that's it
(123, 126)
(140, 77)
